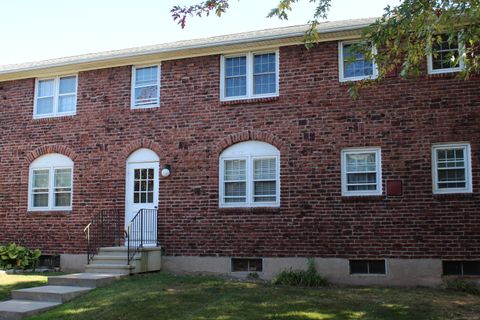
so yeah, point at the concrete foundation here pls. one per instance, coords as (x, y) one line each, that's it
(399, 272)
(73, 262)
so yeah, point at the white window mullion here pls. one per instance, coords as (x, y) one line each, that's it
(56, 95)
(250, 181)
(250, 81)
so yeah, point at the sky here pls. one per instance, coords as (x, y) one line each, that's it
(35, 30)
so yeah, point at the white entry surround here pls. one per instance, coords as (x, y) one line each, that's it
(141, 188)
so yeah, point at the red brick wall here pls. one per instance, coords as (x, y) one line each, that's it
(311, 121)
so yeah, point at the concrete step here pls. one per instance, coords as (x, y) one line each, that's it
(49, 293)
(108, 268)
(89, 280)
(113, 259)
(18, 309)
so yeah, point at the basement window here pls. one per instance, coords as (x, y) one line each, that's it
(247, 265)
(367, 267)
(461, 268)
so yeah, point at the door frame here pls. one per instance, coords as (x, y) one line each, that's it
(141, 156)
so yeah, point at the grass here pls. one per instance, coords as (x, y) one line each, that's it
(18, 281)
(165, 296)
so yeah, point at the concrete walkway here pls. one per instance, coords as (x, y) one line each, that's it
(60, 289)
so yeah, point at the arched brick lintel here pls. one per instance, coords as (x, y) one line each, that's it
(252, 135)
(139, 144)
(51, 148)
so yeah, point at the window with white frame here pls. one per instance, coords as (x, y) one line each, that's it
(361, 172)
(51, 183)
(55, 96)
(145, 87)
(353, 65)
(445, 56)
(249, 75)
(451, 168)
(250, 175)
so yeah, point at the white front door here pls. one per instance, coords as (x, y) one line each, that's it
(142, 193)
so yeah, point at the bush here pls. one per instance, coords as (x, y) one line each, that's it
(304, 278)
(14, 257)
(463, 286)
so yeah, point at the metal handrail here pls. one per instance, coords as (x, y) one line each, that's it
(102, 230)
(141, 230)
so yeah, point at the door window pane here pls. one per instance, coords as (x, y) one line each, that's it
(143, 185)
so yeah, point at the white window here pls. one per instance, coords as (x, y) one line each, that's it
(352, 64)
(452, 171)
(145, 87)
(55, 97)
(361, 172)
(445, 56)
(249, 75)
(250, 175)
(51, 183)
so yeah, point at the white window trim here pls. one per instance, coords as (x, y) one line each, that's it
(132, 85)
(378, 154)
(249, 75)
(249, 203)
(56, 95)
(51, 189)
(461, 63)
(341, 70)
(468, 168)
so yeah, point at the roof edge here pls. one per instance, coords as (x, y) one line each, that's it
(205, 43)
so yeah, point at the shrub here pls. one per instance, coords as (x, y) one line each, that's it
(253, 276)
(462, 286)
(14, 257)
(304, 278)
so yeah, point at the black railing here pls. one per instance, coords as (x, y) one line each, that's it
(105, 230)
(141, 231)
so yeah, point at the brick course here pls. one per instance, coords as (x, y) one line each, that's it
(311, 121)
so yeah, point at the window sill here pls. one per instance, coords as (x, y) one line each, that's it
(365, 198)
(244, 210)
(62, 117)
(356, 79)
(50, 213)
(249, 101)
(145, 109)
(453, 196)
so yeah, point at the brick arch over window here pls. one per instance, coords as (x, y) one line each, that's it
(139, 144)
(251, 135)
(51, 148)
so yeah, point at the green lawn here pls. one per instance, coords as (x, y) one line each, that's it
(12, 282)
(164, 296)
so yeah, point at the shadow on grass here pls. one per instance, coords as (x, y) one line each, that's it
(164, 296)
(9, 282)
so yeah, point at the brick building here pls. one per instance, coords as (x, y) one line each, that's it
(271, 161)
